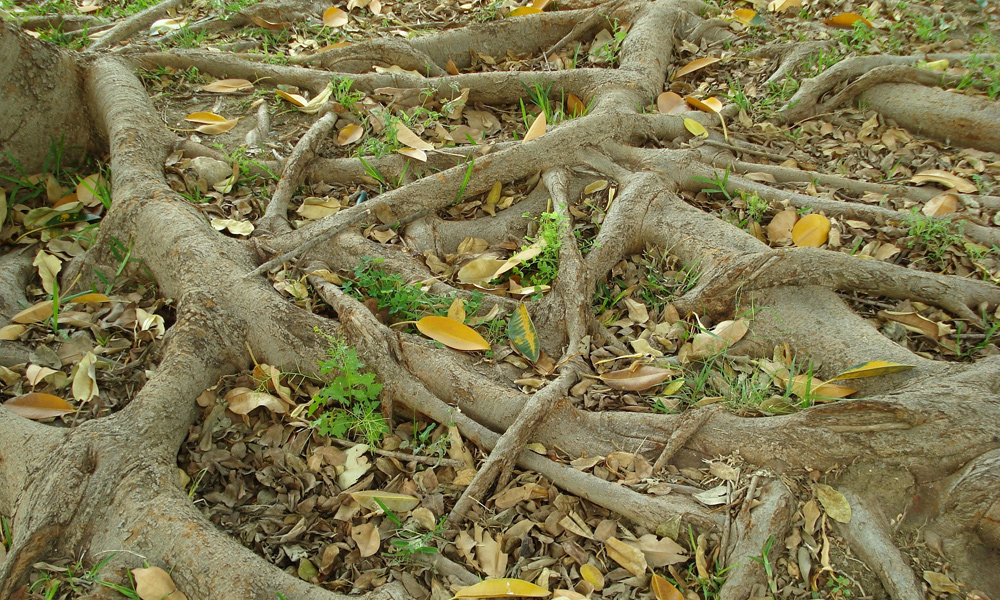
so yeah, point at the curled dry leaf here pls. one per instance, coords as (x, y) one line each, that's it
(480, 270)
(709, 105)
(164, 26)
(451, 333)
(12, 332)
(350, 134)
(413, 153)
(205, 117)
(295, 99)
(87, 190)
(271, 25)
(960, 184)
(37, 405)
(85, 379)
(243, 400)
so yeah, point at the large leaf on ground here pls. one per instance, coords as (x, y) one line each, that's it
(521, 332)
(498, 588)
(871, 369)
(394, 501)
(37, 405)
(637, 379)
(451, 333)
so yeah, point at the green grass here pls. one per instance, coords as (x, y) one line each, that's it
(544, 268)
(935, 237)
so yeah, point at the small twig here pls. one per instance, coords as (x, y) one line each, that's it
(427, 460)
(690, 423)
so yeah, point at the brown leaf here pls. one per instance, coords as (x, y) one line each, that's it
(637, 379)
(946, 179)
(155, 584)
(694, 65)
(37, 405)
(627, 556)
(779, 230)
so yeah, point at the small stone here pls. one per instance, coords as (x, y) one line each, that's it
(211, 170)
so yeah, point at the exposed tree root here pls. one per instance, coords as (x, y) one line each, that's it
(110, 484)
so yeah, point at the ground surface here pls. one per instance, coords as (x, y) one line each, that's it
(690, 297)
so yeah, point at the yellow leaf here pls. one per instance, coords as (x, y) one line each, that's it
(593, 576)
(871, 369)
(208, 118)
(227, 86)
(744, 15)
(811, 230)
(334, 17)
(523, 256)
(48, 269)
(406, 136)
(598, 185)
(451, 333)
(709, 105)
(694, 65)
(395, 502)
(946, 179)
(295, 99)
(521, 332)
(637, 379)
(36, 313)
(575, 106)
(350, 134)
(537, 128)
(217, 128)
(670, 103)
(696, 128)
(943, 584)
(540, 4)
(496, 588)
(524, 10)
(38, 406)
(663, 589)
(494, 196)
(155, 584)
(834, 503)
(627, 556)
(847, 20)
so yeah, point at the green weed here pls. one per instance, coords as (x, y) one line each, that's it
(355, 394)
(936, 237)
(544, 268)
(408, 540)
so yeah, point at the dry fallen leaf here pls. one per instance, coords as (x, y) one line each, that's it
(946, 179)
(155, 584)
